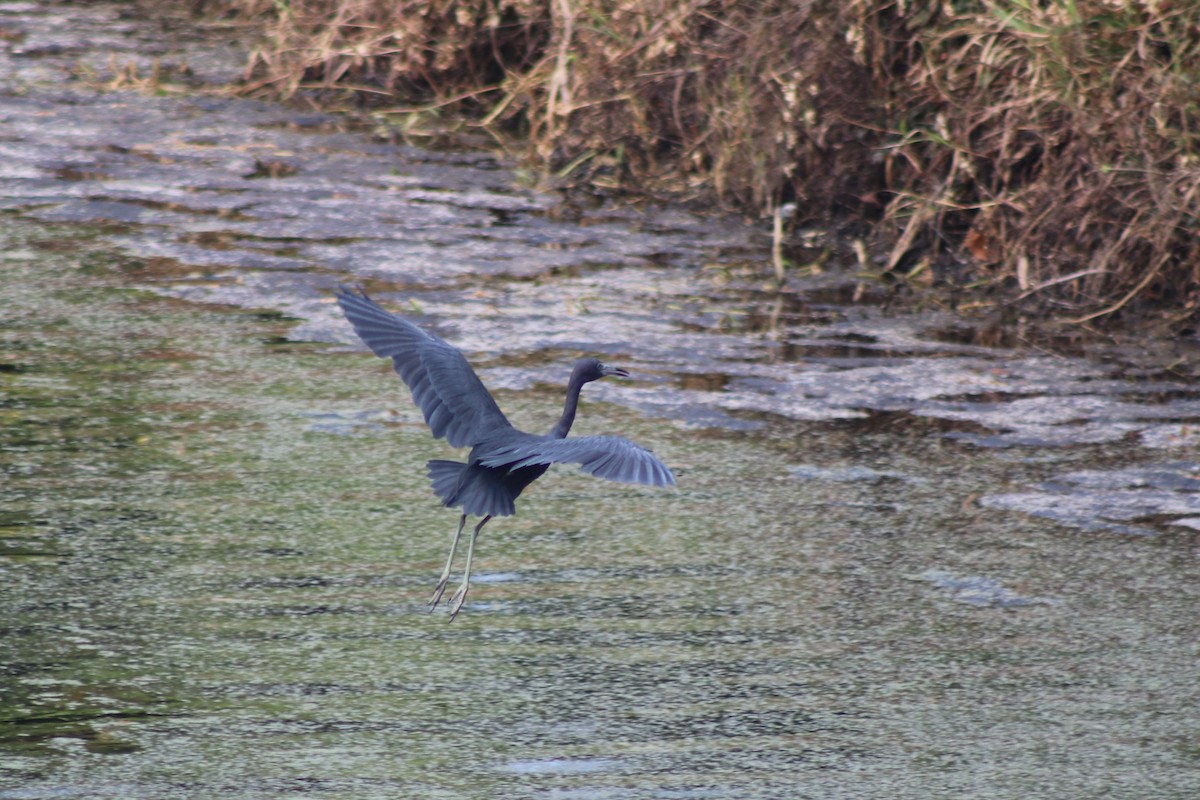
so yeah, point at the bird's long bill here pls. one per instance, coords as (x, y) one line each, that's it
(617, 371)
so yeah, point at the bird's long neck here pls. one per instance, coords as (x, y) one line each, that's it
(563, 427)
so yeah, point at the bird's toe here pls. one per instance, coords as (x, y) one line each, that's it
(438, 591)
(457, 600)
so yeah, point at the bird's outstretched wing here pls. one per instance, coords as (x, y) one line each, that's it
(454, 401)
(612, 457)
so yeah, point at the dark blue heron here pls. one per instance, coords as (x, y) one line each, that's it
(503, 460)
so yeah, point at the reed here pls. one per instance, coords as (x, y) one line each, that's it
(1044, 154)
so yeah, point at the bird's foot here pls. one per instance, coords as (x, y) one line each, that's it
(438, 591)
(456, 602)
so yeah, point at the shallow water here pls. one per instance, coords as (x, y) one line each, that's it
(897, 564)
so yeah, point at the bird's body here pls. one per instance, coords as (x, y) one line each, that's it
(503, 460)
(478, 490)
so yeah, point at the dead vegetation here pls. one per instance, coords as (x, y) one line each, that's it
(1041, 153)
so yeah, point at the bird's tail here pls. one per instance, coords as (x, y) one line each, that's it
(478, 491)
(446, 477)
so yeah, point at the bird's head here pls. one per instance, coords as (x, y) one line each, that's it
(592, 369)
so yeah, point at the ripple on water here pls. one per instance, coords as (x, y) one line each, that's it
(977, 590)
(560, 766)
(1112, 500)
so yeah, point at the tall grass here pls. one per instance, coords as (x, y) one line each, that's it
(1055, 144)
(1042, 151)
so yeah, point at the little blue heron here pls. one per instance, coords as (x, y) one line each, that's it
(503, 460)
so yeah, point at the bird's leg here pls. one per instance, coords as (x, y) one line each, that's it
(441, 587)
(460, 596)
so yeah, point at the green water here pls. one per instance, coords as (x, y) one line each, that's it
(215, 551)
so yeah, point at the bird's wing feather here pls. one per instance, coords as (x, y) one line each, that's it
(454, 401)
(612, 457)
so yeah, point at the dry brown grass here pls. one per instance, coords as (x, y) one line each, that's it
(1054, 146)
(1040, 151)
(390, 49)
